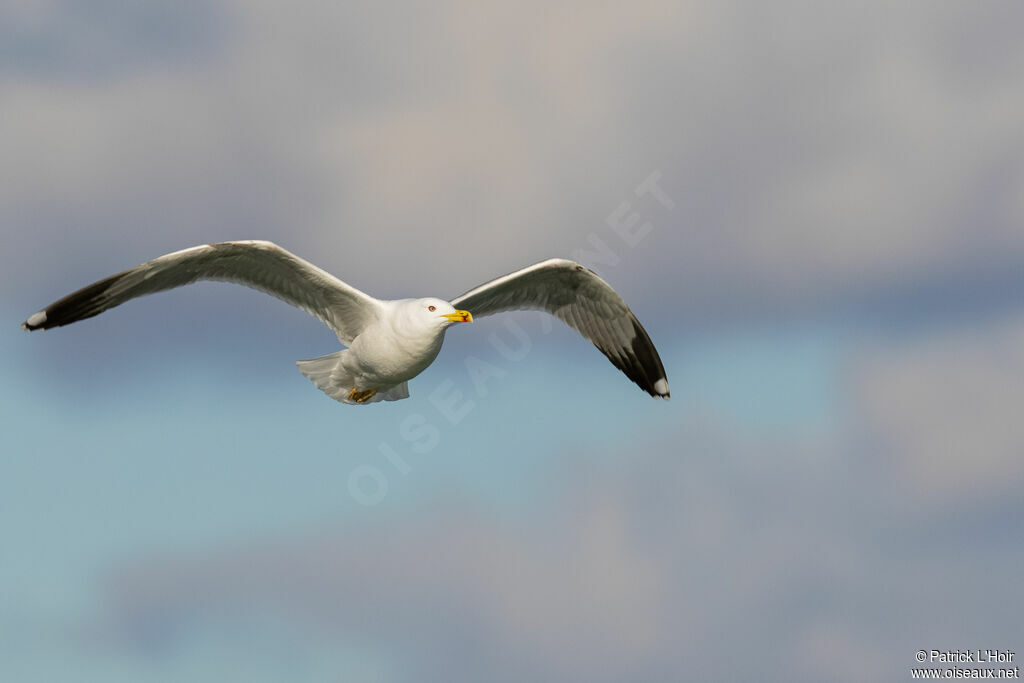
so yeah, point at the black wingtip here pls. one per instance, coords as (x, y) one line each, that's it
(639, 361)
(645, 366)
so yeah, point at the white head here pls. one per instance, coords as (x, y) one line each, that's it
(435, 314)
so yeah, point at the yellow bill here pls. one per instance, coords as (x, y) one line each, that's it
(459, 316)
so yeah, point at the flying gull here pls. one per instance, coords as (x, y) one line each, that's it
(389, 342)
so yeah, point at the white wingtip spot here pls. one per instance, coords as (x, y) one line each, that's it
(36, 320)
(661, 386)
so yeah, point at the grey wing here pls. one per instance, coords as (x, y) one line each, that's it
(585, 302)
(256, 264)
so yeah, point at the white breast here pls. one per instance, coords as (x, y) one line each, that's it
(386, 354)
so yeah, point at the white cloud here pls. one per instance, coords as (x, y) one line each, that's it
(944, 410)
(699, 551)
(810, 160)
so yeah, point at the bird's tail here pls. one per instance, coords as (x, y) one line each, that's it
(329, 375)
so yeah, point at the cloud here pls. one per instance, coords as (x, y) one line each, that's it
(942, 409)
(66, 42)
(700, 552)
(848, 165)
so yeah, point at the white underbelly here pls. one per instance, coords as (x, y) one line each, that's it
(380, 363)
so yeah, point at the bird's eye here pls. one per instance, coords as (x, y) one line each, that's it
(431, 308)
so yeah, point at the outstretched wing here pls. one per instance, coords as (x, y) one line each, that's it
(257, 264)
(585, 302)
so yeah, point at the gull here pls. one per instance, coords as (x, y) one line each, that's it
(389, 342)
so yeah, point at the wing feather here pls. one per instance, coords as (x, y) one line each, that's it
(257, 264)
(586, 303)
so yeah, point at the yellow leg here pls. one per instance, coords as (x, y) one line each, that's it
(361, 396)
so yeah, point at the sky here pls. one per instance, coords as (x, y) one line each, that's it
(815, 209)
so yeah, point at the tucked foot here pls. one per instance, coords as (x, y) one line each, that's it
(361, 396)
